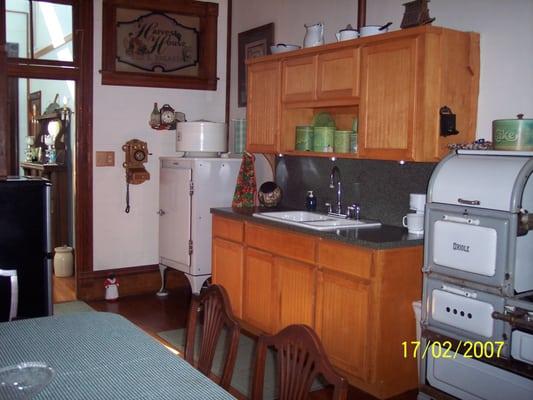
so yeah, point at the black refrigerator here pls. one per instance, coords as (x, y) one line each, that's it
(25, 244)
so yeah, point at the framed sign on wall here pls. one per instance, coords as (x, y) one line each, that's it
(160, 43)
(252, 43)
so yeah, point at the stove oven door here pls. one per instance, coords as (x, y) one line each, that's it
(469, 244)
(465, 314)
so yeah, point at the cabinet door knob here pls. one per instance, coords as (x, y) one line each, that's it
(161, 212)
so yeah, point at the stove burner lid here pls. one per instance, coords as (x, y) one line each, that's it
(496, 180)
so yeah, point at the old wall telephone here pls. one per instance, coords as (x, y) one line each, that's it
(136, 155)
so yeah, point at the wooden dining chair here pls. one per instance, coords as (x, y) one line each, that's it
(214, 306)
(300, 359)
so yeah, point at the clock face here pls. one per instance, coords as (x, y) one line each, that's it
(167, 117)
(139, 155)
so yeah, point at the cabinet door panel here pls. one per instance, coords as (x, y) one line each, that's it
(388, 97)
(297, 292)
(228, 228)
(263, 108)
(343, 321)
(299, 79)
(260, 300)
(228, 258)
(338, 74)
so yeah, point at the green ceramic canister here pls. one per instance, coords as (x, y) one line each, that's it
(304, 138)
(342, 141)
(513, 134)
(323, 138)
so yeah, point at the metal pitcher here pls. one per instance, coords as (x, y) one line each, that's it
(314, 35)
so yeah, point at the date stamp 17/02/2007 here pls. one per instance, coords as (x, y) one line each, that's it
(447, 349)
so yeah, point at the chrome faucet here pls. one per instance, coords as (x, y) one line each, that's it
(335, 172)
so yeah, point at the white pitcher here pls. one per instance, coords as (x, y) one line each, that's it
(314, 35)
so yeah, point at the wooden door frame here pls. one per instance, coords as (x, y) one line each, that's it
(82, 74)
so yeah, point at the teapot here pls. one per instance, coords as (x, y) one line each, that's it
(347, 33)
(314, 35)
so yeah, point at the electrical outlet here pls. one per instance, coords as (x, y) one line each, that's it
(105, 158)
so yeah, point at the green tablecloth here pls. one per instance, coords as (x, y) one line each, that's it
(102, 356)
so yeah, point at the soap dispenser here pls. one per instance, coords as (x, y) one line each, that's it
(310, 201)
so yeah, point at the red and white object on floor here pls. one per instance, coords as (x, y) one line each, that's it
(111, 288)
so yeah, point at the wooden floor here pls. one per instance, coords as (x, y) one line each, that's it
(64, 289)
(155, 314)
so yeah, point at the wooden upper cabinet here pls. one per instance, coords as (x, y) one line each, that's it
(395, 83)
(388, 98)
(299, 79)
(405, 81)
(331, 75)
(263, 108)
(338, 74)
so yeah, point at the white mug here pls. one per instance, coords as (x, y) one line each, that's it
(417, 202)
(414, 223)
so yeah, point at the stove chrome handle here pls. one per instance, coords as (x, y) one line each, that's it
(469, 202)
(518, 319)
(525, 222)
(461, 220)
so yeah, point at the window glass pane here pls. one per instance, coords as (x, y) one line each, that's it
(52, 31)
(17, 27)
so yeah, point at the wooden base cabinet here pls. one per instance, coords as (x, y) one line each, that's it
(228, 264)
(259, 297)
(357, 299)
(343, 321)
(296, 290)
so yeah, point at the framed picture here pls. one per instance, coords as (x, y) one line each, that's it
(253, 43)
(34, 111)
(160, 43)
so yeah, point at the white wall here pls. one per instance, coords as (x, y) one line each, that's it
(289, 18)
(121, 113)
(506, 84)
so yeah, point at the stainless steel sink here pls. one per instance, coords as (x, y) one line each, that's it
(316, 221)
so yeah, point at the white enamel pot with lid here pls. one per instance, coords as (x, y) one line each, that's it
(203, 137)
(369, 30)
(347, 33)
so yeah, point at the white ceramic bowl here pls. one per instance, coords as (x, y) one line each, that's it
(370, 30)
(282, 48)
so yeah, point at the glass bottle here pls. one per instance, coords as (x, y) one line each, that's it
(310, 201)
(155, 117)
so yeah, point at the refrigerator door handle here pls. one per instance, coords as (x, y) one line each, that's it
(12, 274)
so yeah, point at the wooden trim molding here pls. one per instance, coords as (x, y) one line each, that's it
(83, 43)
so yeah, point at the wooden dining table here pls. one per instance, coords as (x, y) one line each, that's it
(98, 355)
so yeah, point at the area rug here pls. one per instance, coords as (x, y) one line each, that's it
(243, 371)
(72, 307)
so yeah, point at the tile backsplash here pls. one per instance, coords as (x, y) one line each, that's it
(381, 188)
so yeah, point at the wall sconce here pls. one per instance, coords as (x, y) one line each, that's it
(65, 111)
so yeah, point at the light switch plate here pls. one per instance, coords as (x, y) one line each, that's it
(105, 158)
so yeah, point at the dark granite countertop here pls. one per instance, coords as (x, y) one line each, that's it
(384, 237)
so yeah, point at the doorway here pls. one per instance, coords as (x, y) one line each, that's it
(45, 130)
(47, 113)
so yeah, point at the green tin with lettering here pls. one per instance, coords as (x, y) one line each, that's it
(513, 134)
(304, 138)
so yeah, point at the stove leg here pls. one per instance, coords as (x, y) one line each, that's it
(163, 271)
